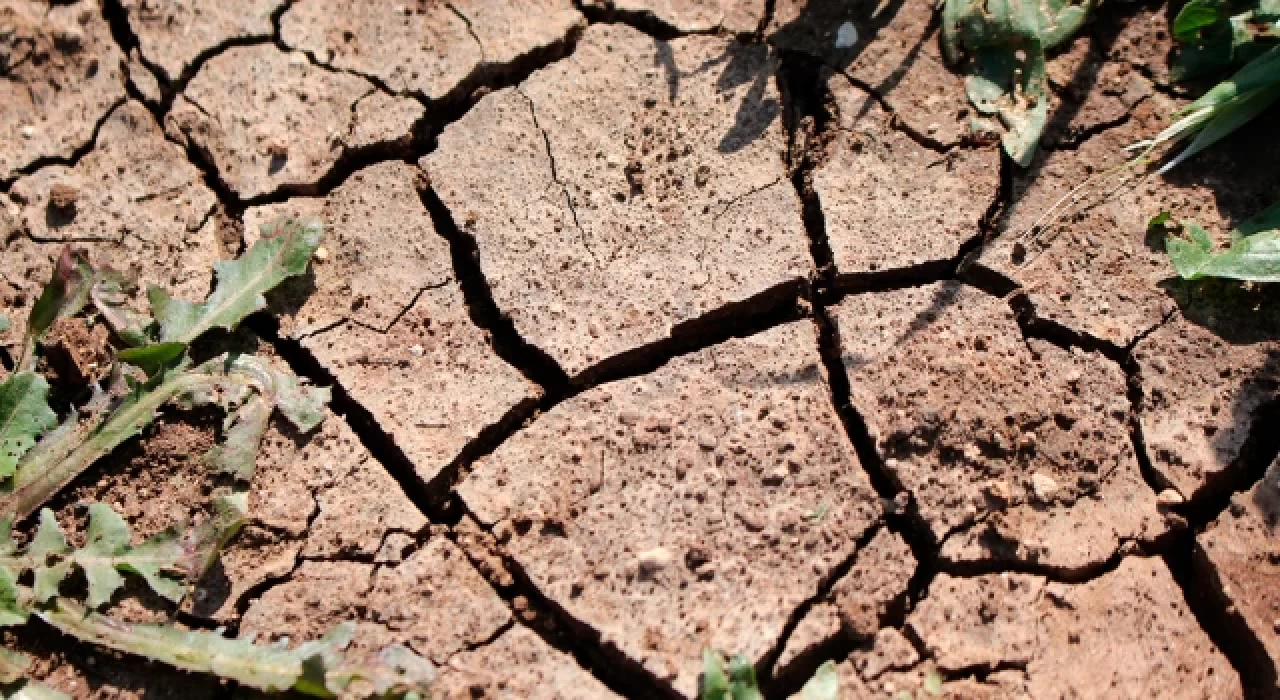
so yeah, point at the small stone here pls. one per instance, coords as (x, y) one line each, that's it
(416, 350)
(1044, 487)
(846, 35)
(63, 196)
(278, 148)
(321, 254)
(1169, 498)
(999, 492)
(654, 559)
(28, 132)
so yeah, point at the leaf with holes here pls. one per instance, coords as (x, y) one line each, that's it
(1005, 43)
(24, 416)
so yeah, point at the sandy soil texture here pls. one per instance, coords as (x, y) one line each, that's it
(660, 325)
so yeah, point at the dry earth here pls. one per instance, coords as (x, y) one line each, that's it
(657, 325)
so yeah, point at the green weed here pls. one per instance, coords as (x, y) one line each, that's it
(39, 455)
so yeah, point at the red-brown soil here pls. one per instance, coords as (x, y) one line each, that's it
(660, 325)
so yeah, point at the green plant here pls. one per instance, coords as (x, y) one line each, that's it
(1002, 44)
(1253, 255)
(930, 688)
(736, 680)
(40, 455)
(1223, 109)
(1217, 35)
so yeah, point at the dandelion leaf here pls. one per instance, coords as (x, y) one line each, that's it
(24, 416)
(241, 284)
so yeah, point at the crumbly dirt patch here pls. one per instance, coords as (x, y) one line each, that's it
(695, 506)
(1120, 634)
(889, 203)
(858, 604)
(1239, 554)
(901, 61)
(1010, 450)
(134, 203)
(733, 16)
(1095, 269)
(652, 193)
(172, 35)
(1042, 481)
(62, 74)
(429, 49)
(267, 119)
(383, 313)
(1210, 378)
(518, 664)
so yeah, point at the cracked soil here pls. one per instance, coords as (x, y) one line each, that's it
(659, 325)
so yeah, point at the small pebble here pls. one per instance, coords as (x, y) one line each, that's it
(846, 35)
(1169, 498)
(1044, 487)
(415, 350)
(28, 132)
(654, 559)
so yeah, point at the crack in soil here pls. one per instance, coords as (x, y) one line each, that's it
(779, 305)
(78, 153)
(825, 587)
(471, 30)
(643, 21)
(555, 175)
(1220, 620)
(559, 629)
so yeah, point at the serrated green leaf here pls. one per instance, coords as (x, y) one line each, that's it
(107, 535)
(1159, 220)
(825, 684)
(48, 553)
(272, 669)
(240, 284)
(24, 416)
(107, 550)
(153, 359)
(1253, 258)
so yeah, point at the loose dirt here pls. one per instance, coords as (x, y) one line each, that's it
(657, 326)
